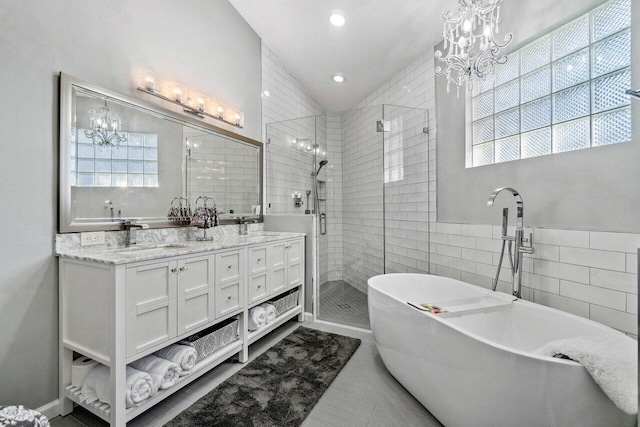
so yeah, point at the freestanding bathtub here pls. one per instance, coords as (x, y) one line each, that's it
(474, 365)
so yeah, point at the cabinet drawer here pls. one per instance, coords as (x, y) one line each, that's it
(258, 286)
(228, 298)
(229, 267)
(257, 260)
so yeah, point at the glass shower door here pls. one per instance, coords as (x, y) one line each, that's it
(406, 190)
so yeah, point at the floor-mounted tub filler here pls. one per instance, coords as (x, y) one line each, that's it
(472, 356)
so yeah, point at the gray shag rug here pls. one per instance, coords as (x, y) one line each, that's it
(278, 388)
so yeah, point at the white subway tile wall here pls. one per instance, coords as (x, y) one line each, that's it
(593, 283)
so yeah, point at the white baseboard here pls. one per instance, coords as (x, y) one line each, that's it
(308, 317)
(50, 410)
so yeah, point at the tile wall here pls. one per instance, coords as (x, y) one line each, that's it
(587, 273)
(362, 212)
(334, 268)
(288, 167)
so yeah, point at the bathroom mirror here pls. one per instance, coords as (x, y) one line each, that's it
(123, 158)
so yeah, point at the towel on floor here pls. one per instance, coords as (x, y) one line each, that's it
(184, 355)
(97, 386)
(257, 318)
(163, 372)
(270, 311)
(611, 361)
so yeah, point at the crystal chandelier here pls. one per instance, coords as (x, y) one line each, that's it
(471, 50)
(105, 124)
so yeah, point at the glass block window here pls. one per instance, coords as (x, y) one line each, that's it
(133, 163)
(564, 91)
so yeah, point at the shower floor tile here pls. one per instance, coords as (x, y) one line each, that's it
(342, 303)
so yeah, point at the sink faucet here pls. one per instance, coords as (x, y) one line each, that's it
(244, 230)
(130, 227)
(519, 239)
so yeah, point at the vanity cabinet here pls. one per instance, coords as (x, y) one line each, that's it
(116, 310)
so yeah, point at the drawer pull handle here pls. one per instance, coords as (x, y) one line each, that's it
(229, 267)
(229, 298)
(174, 270)
(258, 260)
(185, 268)
(259, 286)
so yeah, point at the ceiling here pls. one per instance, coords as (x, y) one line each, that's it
(379, 39)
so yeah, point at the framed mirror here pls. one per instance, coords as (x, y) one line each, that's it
(122, 158)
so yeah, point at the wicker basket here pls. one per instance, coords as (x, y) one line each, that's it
(209, 341)
(286, 302)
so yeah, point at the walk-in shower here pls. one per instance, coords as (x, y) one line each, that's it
(370, 199)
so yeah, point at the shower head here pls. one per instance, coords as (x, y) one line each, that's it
(322, 163)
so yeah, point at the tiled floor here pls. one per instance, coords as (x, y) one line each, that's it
(344, 304)
(363, 394)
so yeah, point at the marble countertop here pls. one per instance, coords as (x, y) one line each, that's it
(137, 253)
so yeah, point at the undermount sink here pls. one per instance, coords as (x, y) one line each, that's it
(264, 234)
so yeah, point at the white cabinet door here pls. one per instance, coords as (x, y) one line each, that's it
(229, 297)
(151, 305)
(229, 267)
(258, 286)
(230, 282)
(294, 263)
(195, 293)
(258, 262)
(278, 265)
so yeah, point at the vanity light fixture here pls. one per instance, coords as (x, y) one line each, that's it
(194, 103)
(337, 19)
(338, 78)
(471, 50)
(105, 125)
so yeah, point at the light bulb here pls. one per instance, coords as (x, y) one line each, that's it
(220, 112)
(149, 83)
(466, 26)
(339, 78)
(337, 19)
(177, 94)
(487, 30)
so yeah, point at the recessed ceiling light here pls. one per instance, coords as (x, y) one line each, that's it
(338, 78)
(337, 19)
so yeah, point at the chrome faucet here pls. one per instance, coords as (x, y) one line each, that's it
(130, 227)
(519, 240)
(244, 229)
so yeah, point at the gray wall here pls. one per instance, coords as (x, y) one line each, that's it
(102, 42)
(595, 189)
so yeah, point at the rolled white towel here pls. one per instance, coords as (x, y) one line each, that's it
(270, 311)
(163, 372)
(257, 318)
(97, 386)
(185, 356)
(612, 361)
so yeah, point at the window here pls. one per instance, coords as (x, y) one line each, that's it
(564, 91)
(133, 163)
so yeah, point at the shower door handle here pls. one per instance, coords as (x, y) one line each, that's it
(323, 224)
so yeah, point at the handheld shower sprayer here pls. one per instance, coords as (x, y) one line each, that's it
(322, 163)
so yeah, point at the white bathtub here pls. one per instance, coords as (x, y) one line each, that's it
(475, 367)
